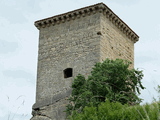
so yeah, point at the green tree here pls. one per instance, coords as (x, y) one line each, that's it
(112, 80)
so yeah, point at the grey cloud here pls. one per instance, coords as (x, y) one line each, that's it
(16, 12)
(13, 17)
(125, 2)
(143, 59)
(6, 47)
(18, 74)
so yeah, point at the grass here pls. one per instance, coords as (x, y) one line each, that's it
(117, 111)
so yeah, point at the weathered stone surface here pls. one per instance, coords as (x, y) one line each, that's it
(114, 43)
(53, 111)
(76, 40)
(40, 118)
(53, 100)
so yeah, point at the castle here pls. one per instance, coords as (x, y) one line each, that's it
(71, 43)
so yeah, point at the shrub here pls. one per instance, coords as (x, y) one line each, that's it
(116, 111)
(112, 80)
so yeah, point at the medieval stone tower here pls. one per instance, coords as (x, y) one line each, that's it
(71, 43)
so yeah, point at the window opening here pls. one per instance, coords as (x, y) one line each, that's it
(68, 72)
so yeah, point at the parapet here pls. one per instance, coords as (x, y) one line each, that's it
(100, 7)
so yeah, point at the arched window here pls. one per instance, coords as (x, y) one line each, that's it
(68, 72)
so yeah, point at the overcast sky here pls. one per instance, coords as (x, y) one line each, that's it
(19, 46)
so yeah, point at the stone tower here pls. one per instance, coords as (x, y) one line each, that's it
(71, 43)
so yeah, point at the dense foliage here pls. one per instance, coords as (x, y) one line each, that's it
(116, 111)
(111, 80)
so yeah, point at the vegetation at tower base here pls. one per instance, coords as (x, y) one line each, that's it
(116, 111)
(111, 80)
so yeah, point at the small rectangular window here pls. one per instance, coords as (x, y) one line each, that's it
(68, 72)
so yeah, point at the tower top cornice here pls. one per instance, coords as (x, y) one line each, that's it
(85, 11)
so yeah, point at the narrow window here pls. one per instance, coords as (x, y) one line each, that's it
(68, 72)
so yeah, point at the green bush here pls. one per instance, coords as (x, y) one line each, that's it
(112, 80)
(117, 111)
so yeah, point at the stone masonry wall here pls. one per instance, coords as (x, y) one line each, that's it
(76, 47)
(73, 44)
(114, 43)
(77, 40)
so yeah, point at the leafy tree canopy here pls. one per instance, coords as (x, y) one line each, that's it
(111, 80)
